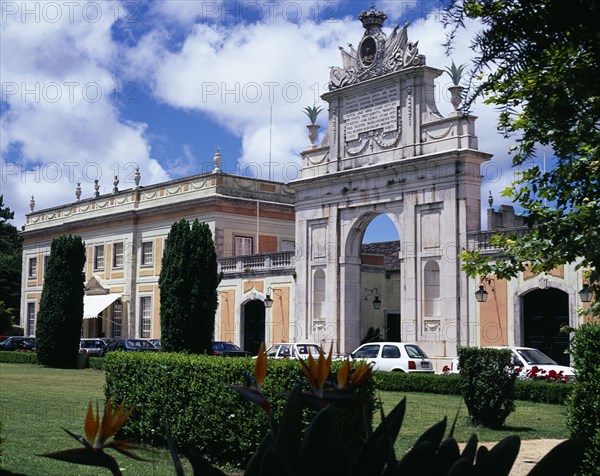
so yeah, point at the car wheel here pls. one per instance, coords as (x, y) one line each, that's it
(398, 370)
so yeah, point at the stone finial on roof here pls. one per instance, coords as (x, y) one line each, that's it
(116, 184)
(32, 204)
(96, 188)
(217, 160)
(136, 177)
(78, 191)
(491, 199)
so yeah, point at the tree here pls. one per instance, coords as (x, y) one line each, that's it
(539, 62)
(11, 249)
(6, 318)
(188, 289)
(61, 309)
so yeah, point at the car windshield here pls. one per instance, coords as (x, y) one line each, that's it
(312, 349)
(139, 343)
(367, 352)
(230, 346)
(92, 344)
(535, 357)
(415, 352)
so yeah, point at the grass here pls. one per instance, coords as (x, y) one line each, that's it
(530, 420)
(36, 402)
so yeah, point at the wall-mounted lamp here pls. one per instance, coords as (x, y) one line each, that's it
(481, 294)
(268, 301)
(376, 300)
(586, 293)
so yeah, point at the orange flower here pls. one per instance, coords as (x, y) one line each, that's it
(317, 372)
(260, 367)
(96, 433)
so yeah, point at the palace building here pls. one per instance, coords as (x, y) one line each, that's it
(292, 255)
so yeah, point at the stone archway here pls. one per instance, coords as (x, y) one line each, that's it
(388, 150)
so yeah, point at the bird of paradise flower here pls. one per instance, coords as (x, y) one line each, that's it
(97, 433)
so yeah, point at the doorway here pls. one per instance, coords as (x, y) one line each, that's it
(545, 311)
(254, 325)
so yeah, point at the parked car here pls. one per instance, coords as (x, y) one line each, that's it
(131, 345)
(525, 359)
(228, 349)
(92, 347)
(394, 357)
(296, 350)
(24, 344)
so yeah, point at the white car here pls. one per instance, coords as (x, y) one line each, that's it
(526, 358)
(394, 357)
(295, 350)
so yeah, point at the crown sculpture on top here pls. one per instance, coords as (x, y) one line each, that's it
(377, 53)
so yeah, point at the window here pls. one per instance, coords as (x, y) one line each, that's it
(117, 318)
(390, 352)
(46, 263)
(99, 257)
(244, 245)
(288, 245)
(117, 255)
(32, 268)
(146, 317)
(147, 253)
(31, 318)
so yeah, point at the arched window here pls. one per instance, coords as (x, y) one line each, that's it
(431, 291)
(319, 295)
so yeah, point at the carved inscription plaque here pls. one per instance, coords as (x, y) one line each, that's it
(373, 110)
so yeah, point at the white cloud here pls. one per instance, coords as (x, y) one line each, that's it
(61, 122)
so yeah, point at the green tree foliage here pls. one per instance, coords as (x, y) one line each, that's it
(188, 289)
(584, 401)
(61, 309)
(11, 249)
(539, 63)
(487, 384)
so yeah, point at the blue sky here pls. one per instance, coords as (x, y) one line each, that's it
(94, 89)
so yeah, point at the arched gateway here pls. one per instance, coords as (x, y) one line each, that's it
(387, 150)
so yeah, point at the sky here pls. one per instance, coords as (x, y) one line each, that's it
(94, 89)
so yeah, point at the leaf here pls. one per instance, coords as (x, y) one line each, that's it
(434, 434)
(562, 460)
(200, 466)
(499, 460)
(470, 449)
(87, 457)
(289, 434)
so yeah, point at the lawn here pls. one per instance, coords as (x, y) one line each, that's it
(36, 402)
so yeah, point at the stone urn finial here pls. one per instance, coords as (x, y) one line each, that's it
(217, 160)
(32, 204)
(78, 191)
(96, 188)
(116, 184)
(456, 90)
(136, 177)
(313, 128)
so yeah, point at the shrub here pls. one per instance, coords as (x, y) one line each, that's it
(542, 391)
(191, 395)
(487, 384)
(584, 401)
(12, 357)
(424, 383)
(96, 363)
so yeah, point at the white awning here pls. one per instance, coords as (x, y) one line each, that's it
(94, 305)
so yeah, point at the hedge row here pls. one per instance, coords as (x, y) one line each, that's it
(13, 357)
(528, 390)
(191, 395)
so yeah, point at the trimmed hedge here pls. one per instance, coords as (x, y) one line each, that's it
(527, 390)
(191, 395)
(96, 363)
(583, 416)
(14, 357)
(424, 383)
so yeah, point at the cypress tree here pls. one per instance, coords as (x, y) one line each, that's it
(188, 289)
(61, 309)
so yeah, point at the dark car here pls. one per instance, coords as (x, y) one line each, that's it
(131, 345)
(25, 344)
(155, 342)
(92, 347)
(228, 349)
